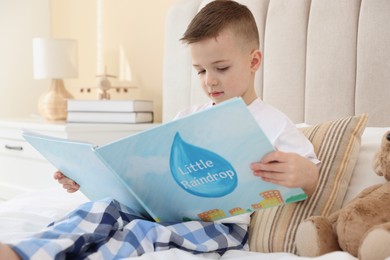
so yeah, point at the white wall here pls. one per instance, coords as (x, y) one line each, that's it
(20, 21)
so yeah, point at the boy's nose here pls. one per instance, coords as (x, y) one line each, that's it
(211, 81)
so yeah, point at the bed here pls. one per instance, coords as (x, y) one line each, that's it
(326, 62)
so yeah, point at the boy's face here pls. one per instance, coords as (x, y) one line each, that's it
(225, 68)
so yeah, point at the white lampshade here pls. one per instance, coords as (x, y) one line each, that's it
(55, 58)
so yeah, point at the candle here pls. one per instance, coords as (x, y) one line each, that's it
(99, 38)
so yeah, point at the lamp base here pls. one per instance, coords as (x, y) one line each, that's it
(52, 105)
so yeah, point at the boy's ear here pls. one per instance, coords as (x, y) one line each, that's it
(255, 60)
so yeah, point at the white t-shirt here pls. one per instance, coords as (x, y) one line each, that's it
(280, 130)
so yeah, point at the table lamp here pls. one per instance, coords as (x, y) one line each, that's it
(54, 59)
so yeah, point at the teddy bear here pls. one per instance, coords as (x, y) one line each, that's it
(361, 227)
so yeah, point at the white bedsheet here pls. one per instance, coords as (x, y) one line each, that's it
(174, 254)
(32, 211)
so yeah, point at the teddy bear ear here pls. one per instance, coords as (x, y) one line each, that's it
(376, 165)
(377, 160)
(380, 162)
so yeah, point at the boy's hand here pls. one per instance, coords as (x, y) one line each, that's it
(67, 183)
(287, 169)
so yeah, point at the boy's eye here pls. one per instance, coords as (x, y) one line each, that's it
(201, 71)
(223, 68)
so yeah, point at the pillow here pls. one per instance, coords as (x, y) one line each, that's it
(337, 145)
(363, 174)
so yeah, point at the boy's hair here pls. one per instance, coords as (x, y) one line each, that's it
(219, 15)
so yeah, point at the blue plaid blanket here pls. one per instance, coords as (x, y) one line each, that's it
(108, 230)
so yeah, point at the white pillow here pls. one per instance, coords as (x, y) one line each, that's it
(364, 175)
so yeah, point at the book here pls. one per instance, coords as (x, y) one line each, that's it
(110, 105)
(109, 117)
(193, 168)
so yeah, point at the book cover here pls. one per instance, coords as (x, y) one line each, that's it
(193, 168)
(109, 117)
(110, 105)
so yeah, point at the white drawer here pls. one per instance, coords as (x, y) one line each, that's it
(19, 148)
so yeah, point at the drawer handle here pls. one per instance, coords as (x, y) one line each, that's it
(15, 148)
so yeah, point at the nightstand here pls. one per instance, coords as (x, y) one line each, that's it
(23, 169)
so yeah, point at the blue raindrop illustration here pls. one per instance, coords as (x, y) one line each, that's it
(199, 171)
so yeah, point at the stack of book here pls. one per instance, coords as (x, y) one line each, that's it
(110, 111)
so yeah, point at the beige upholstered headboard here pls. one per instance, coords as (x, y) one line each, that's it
(322, 59)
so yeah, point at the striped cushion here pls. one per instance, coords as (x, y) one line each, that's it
(337, 145)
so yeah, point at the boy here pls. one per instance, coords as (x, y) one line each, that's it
(224, 45)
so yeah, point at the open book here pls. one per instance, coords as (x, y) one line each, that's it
(193, 168)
